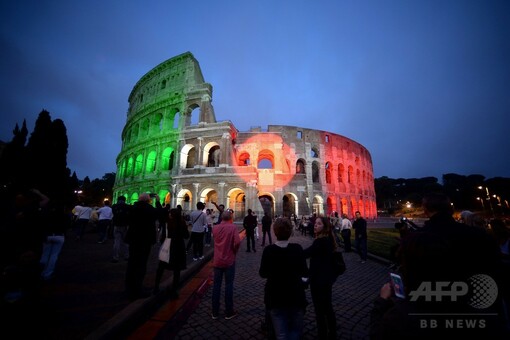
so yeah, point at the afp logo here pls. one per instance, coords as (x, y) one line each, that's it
(481, 291)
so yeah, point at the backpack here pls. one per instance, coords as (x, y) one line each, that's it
(120, 215)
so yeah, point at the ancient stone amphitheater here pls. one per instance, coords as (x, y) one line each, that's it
(172, 145)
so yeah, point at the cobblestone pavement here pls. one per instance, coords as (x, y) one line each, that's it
(86, 298)
(353, 295)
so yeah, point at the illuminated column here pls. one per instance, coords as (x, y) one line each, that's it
(174, 195)
(226, 149)
(252, 201)
(200, 152)
(195, 199)
(221, 194)
(278, 197)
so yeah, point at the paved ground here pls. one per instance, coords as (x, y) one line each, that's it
(353, 294)
(86, 298)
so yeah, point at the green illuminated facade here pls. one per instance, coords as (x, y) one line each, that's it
(172, 145)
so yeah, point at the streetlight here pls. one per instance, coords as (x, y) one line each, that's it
(481, 201)
(488, 198)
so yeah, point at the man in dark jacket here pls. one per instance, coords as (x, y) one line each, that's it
(140, 236)
(250, 223)
(360, 236)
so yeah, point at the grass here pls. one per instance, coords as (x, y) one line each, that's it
(380, 241)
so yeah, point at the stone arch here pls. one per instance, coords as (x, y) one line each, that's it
(184, 198)
(330, 204)
(327, 168)
(341, 174)
(314, 153)
(133, 198)
(350, 174)
(186, 154)
(345, 206)
(176, 118)
(301, 166)
(289, 204)
(318, 205)
(315, 172)
(265, 159)
(194, 114)
(207, 196)
(150, 166)
(267, 201)
(130, 165)
(236, 200)
(167, 159)
(358, 178)
(211, 156)
(138, 164)
(244, 159)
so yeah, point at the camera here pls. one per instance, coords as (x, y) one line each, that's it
(405, 224)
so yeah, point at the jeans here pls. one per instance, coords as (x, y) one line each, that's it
(208, 234)
(197, 240)
(346, 235)
(120, 248)
(361, 247)
(229, 274)
(268, 233)
(51, 250)
(103, 226)
(287, 322)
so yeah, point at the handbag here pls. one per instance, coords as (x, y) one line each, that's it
(164, 251)
(338, 263)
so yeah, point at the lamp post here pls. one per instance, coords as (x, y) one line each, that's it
(488, 198)
(481, 201)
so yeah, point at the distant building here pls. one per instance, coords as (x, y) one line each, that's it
(285, 169)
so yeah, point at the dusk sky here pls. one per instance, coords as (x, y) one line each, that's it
(423, 85)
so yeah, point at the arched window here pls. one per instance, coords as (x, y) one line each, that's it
(328, 172)
(314, 153)
(190, 161)
(315, 172)
(350, 174)
(265, 159)
(167, 159)
(340, 173)
(213, 159)
(151, 162)
(244, 159)
(300, 167)
(138, 164)
(129, 171)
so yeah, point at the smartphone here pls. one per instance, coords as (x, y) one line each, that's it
(398, 285)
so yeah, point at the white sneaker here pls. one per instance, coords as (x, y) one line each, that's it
(195, 259)
(201, 257)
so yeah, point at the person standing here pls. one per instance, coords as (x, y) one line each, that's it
(335, 224)
(199, 223)
(140, 236)
(249, 224)
(120, 221)
(178, 231)
(226, 246)
(221, 209)
(284, 266)
(345, 231)
(105, 216)
(57, 222)
(210, 221)
(360, 236)
(266, 228)
(322, 277)
(82, 215)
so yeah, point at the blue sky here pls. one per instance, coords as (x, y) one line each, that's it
(423, 85)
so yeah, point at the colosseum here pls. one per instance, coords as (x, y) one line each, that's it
(172, 145)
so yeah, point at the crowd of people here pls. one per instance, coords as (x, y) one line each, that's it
(443, 250)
